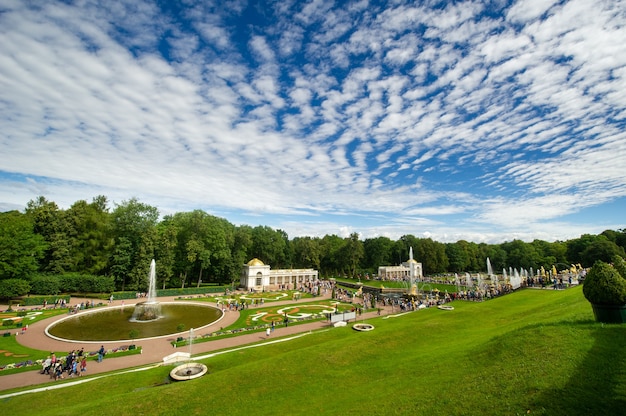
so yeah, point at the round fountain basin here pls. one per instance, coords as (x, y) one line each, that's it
(363, 327)
(114, 324)
(188, 371)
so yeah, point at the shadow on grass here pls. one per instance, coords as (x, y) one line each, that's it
(598, 386)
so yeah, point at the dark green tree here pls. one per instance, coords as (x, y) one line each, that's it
(432, 255)
(134, 229)
(20, 247)
(331, 264)
(90, 236)
(378, 252)
(601, 249)
(270, 246)
(352, 253)
(51, 223)
(306, 252)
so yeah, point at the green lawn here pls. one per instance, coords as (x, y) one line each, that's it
(10, 351)
(532, 352)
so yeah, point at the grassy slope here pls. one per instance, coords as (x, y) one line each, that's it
(533, 351)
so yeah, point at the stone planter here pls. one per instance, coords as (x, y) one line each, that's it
(609, 314)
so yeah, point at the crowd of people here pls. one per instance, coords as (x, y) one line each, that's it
(74, 364)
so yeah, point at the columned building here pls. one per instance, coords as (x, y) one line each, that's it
(258, 276)
(409, 270)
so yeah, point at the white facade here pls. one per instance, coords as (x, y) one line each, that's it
(258, 276)
(402, 272)
(408, 270)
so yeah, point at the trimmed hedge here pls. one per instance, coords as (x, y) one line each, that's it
(173, 292)
(38, 300)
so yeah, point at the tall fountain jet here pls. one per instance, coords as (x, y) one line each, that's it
(149, 310)
(152, 282)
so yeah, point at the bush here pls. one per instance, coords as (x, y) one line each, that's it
(620, 265)
(38, 300)
(604, 285)
(45, 285)
(74, 282)
(11, 288)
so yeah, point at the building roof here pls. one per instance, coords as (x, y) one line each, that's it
(255, 262)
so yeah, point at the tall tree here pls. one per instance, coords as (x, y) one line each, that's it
(134, 229)
(270, 246)
(378, 252)
(52, 224)
(458, 257)
(601, 249)
(306, 252)
(167, 239)
(352, 254)
(90, 234)
(331, 264)
(432, 255)
(20, 247)
(204, 243)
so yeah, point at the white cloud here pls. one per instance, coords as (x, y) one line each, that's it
(407, 120)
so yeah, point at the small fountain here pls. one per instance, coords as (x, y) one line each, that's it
(189, 370)
(149, 310)
(516, 280)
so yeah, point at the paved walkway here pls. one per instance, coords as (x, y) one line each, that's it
(153, 350)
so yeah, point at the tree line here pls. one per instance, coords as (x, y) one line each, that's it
(94, 246)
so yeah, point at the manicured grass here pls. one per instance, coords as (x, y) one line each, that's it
(532, 352)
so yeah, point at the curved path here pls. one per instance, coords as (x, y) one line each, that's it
(153, 350)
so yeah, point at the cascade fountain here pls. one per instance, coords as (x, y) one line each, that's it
(479, 280)
(516, 280)
(149, 310)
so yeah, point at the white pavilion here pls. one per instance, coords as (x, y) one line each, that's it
(259, 276)
(409, 270)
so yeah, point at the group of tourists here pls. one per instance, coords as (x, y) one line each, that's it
(74, 364)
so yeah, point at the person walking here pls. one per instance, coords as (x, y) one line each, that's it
(83, 366)
(101, 353)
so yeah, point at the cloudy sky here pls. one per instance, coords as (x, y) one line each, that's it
(484, 121)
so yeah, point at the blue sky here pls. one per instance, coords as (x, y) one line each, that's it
(462, 120)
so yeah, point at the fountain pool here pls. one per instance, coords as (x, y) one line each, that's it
(115, 324)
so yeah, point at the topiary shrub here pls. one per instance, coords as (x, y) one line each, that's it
(604, 285)
(620, 265)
